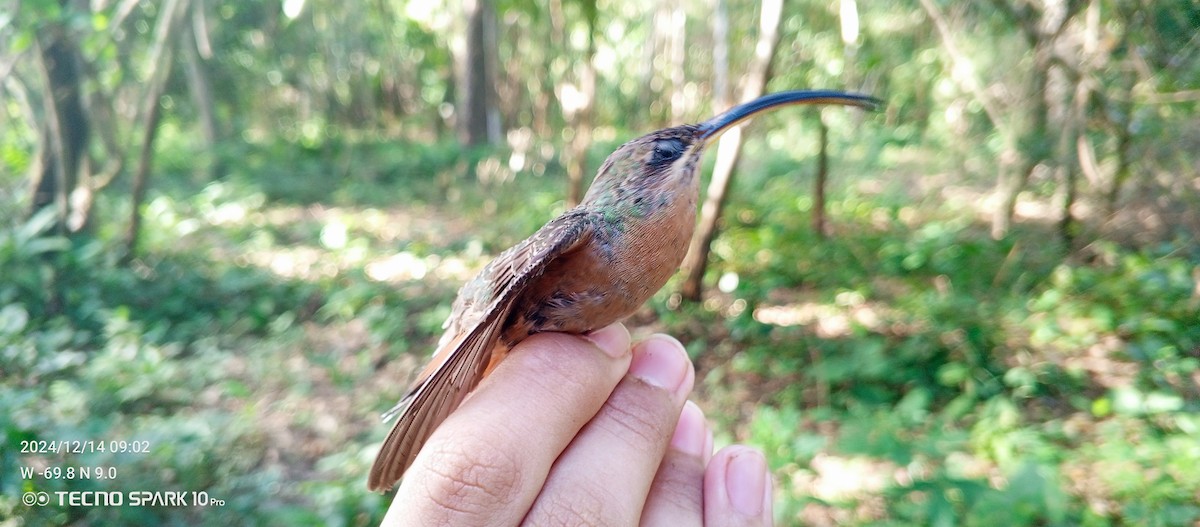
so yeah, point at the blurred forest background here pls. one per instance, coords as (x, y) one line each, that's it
(233, 228)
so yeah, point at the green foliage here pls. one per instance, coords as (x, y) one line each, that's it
(958, 379)
(96, 352)
(907, 369)
(1005, 385)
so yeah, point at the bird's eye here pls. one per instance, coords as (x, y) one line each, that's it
(666, 151)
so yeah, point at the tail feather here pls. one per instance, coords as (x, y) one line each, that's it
(437, 393)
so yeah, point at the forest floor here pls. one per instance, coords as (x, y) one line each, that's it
(907, 370)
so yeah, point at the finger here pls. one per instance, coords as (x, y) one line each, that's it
(485, 464)
(677, 493)
(737, 488)
(603, 477)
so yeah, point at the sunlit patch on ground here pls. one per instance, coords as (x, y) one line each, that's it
(827, 320)
(839, 479)
(1103, 364)
(404, 266)
(306, 263)
(319, 242)
(307, 380)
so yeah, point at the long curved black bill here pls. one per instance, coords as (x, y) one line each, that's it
(712, 128)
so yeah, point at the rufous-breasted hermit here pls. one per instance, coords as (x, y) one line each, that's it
(592, 266)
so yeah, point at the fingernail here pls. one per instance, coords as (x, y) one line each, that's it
(613, 339)
(691, 433)
(660, 360)
(746, 480)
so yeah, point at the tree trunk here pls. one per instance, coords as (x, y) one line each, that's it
(677, 55)
(141, 178)
(473, 106)
(728, 151)
(650, 80)
(1068, 164)
(1121, 172)
(1075, 154)
(160, 59)
(722, 94)
(200, 88)
(1027, 149)
(65, 128)
(580, 118)
(1027, 146)
(491, 58)
(819, 225)
(848, 15)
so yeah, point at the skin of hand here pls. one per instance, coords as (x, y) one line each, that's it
(583, 430)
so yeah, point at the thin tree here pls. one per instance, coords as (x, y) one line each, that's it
(196, 50)
(578, 104)
(160, 60)
(65, 127)
(475, 69)
(819, 224)
(729, 149)
(1024, 125)
(848, 13)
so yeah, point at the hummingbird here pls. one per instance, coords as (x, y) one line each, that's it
(590, 267)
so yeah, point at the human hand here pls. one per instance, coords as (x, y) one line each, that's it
(572, 430)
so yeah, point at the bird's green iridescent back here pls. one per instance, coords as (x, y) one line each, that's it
(641, 217)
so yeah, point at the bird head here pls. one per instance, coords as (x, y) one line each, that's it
(667, 159)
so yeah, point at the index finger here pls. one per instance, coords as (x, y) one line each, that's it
(487, 462)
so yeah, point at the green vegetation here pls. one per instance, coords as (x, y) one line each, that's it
(908, 369)
(1000, 327)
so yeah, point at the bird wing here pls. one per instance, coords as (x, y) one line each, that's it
(458, 365)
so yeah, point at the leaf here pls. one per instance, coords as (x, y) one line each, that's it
(13, 319)
(100, 21)
(40, 223)
(47, 245)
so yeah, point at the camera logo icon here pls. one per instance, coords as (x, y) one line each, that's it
(35, 498)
